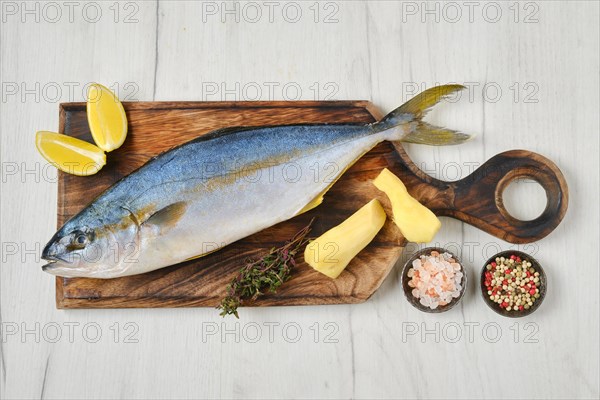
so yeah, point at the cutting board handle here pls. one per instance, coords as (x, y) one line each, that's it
(477, 198)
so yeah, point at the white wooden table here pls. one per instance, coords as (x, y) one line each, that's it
(533, 75)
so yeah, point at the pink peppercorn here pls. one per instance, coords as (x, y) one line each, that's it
(503, 292)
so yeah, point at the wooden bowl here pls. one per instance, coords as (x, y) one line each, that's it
(408, 290)
(534, 264)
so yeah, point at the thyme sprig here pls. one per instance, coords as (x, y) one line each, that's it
(267, 273)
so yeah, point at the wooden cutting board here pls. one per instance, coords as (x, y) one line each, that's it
(158, 126)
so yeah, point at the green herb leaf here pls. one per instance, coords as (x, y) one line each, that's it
(267, 273)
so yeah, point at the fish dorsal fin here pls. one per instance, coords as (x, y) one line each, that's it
(167, 217)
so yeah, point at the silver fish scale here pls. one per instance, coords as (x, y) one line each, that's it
(225, 152)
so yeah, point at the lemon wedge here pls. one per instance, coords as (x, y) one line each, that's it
(106, 118)
(69, 154)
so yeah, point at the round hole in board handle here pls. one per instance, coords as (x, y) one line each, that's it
(511, 199)
(524, 199)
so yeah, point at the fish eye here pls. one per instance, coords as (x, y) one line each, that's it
(79, 239)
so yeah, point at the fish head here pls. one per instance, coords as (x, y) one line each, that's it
(93, 244)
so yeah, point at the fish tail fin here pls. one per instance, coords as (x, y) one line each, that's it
(410, 116)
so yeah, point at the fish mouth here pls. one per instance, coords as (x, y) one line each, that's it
(53, 261)
(48, 266)
(53, 257)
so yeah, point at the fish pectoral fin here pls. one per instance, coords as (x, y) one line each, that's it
(166, 218)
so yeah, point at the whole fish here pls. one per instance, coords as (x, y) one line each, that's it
(207, 193)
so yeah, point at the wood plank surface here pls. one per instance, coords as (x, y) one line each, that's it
(533, 77)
